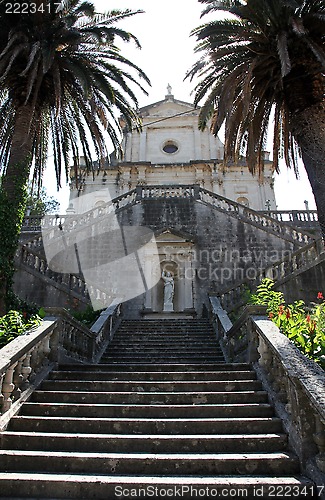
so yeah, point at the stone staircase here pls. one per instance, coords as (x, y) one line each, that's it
(161, 415)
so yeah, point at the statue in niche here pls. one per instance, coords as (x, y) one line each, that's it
(168, 291)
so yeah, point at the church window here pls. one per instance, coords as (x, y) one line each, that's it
(170, 147)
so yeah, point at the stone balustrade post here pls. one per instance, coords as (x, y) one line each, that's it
(26, 371)
(18, 379)
(7, 388)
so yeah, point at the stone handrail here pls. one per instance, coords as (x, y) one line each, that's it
(263, 220)
(29, 257)
(299, 261)
(73, 221)
(29, 358)
(258, 219)
(298, 217)
(294, 383)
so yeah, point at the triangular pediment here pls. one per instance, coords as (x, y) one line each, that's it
(168, 236)
(167, 107)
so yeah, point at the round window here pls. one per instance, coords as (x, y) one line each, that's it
(170, 147)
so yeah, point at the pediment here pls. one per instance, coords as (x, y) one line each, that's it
(169, 236)
(167, 107)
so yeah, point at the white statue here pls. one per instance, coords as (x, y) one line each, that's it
(168, 291)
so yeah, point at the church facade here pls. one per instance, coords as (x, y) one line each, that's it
(171, 150)
(209, 233)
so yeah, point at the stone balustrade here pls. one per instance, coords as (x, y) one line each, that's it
(172, 191)
(28, 359)
(258, 219)
(276, 222)
(296, 262)
(29, 256)
(23, 363)
(294, 383)
(293, 264)
(298, 217)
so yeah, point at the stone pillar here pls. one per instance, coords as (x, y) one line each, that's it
(197, 144)
(143, 145)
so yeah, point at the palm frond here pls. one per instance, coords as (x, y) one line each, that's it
(270, 57)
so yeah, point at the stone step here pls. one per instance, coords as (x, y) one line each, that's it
(163, 352)
(162, 333)
(168, 346)
(163, 338)
(173, 355)
(160, 376)
(152, 386)
(165, 323)
(144, 443)
(203, 464)
(147, 426)
(148, 411)
(106, 487)
(160, 359)
(159, 367)
(144, 398)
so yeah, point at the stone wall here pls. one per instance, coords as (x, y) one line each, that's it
(224, 251)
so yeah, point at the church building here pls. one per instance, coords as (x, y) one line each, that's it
(171, 150)
(207, 220)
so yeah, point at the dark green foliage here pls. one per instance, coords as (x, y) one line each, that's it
(88, 316)
(15, 323)
(264, 61)
(39, 203)
(62, 77)
(305, 326)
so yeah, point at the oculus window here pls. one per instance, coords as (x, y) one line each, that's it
(170, 147)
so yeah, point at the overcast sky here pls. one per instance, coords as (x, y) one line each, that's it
(166, 55)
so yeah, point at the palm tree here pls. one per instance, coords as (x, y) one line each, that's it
(62, 79)
(265, 63)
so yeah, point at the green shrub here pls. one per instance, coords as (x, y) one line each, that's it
(305, 326)
(15, 323)
(88, 316)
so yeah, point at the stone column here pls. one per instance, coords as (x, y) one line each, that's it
(143, 145)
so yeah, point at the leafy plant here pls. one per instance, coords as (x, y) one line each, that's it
(39, 203)
(14, 324)
(88, 316)
(304, 326)
(266, 296)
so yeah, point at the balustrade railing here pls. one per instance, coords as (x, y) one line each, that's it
(297, 262)
(258, 219)
(278, 221)
(294, 383)
(74, 284)
(171, 191)
(298, 217)
(28, 359)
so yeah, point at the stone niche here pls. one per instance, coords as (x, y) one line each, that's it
(175, 255)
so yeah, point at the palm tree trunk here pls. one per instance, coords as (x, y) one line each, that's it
(308, 127)
(13, 196)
